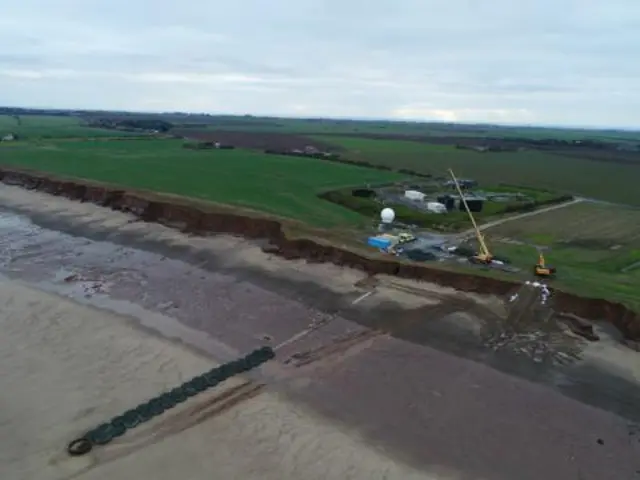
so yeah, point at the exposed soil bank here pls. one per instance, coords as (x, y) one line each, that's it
(193, 219)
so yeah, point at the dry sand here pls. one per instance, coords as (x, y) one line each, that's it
(66, 367)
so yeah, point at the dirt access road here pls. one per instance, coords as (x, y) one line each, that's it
(132, 308)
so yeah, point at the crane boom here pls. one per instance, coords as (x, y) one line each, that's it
(484, 251)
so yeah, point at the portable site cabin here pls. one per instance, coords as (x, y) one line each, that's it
(436, 207)
(414, 195)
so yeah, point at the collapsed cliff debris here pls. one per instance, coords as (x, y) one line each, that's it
(190, 218)
(532, 328)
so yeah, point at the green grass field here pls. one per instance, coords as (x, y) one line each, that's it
(40, 126)
(582, 271)
(286, 186)
(580, 224)
(595, 247)
(605, 181)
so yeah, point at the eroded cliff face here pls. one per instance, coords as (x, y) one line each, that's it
(192, 219)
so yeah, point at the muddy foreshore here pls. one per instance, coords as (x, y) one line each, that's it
(194, 219)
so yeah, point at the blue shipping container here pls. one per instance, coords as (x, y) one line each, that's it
(379, 242)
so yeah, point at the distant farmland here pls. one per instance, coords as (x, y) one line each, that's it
(40, 126)
(595, 179)
(286, 186)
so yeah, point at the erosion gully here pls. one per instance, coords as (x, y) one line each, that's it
(433, 398)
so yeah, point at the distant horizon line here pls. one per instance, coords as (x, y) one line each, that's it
(340, 118)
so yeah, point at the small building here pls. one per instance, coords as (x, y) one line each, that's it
(9, 137)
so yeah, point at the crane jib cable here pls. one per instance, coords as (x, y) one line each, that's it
(117, 426)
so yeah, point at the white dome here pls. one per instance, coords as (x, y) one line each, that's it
(387, 215)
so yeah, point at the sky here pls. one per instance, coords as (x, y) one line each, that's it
(548, 62)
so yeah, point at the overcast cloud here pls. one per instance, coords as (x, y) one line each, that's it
(545, 62)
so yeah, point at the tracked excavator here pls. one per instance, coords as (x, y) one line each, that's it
(541, 269)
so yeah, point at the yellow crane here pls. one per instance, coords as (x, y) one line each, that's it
(484, 255)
